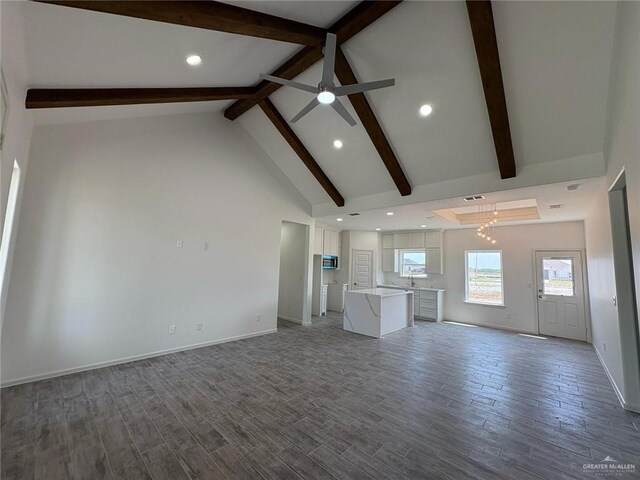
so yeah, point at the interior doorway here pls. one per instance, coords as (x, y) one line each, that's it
(362, 269)
(625, 298)
(560, 294)
(294, 271)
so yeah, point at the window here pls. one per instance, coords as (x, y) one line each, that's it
(413, 263)
(8, 221)
(558, 276)
(484, 277)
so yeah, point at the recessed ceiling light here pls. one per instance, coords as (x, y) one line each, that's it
(423, 226)
(194, 60)
(339, 219)
(425, 110)
(337, 144)
(573, 187)
(378, 229)
(389, 213)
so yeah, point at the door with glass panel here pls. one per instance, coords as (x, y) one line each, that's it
(560, 294)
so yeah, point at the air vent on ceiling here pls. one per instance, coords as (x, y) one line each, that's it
(473, 198)
(354, 214)
(573, 187)
(556, 205)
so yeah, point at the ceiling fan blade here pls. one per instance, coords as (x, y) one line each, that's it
(329, 62)
(310, 106)
(363, 87)
(290, 83)
(339, 107)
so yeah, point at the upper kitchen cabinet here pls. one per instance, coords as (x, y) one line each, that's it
(433, 249)
(408, 240)
(433, 240)
(434, 263)
(387, 240)
(318, 241)
(331, 244)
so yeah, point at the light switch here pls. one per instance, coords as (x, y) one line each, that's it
(172, 329)
(205, 245)
(179, 244)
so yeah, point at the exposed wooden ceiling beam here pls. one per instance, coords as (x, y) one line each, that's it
(486, 44)
(345, 74)
(95, 97)
(356, 20)
(292, 139)
(209, 15)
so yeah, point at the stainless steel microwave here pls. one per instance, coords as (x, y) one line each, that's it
(329, 262)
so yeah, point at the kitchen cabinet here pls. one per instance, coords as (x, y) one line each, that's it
(389, 260)
(331, 244)
(335, 296)
(433, 240)
(428, 303)
(317, 242)
(408, 240)
(434, 261)
(323, 299)
(387, 240)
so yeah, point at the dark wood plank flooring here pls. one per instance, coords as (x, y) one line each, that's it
(433, 401)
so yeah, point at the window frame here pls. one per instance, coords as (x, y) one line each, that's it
(400, 253)
(466, 279)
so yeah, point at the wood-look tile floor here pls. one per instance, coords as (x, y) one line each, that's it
(433, 401)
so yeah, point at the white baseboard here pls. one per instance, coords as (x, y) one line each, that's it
(108, 363)
(614, 384)
(291, 319)
(488, 325)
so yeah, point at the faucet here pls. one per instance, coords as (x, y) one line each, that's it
(411, 280)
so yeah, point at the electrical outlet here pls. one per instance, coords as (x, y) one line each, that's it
(179, 244)
(172, 329)
(198, 325)
(259, 317)
(615, 300)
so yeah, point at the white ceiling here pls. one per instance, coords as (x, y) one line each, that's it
(556, 71)
(555, 59)
(412, 217)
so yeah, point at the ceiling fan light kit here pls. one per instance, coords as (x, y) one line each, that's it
(326, 92)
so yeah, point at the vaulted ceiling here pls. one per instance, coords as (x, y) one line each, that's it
(554, 57)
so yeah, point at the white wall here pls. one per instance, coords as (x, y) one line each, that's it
(17, 132)
(517, 244)
(293, 265)
(622, 150)
(97, 276)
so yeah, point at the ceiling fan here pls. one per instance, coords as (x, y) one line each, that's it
(326, 92)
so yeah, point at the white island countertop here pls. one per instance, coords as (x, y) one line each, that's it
(401, 287)
(380, 291)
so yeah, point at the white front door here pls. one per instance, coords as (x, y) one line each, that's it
(362, 274)
(560, 293)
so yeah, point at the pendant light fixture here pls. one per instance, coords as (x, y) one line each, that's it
(488, 216)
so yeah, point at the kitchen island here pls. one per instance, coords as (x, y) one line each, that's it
(428, 303)
(377, 311)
